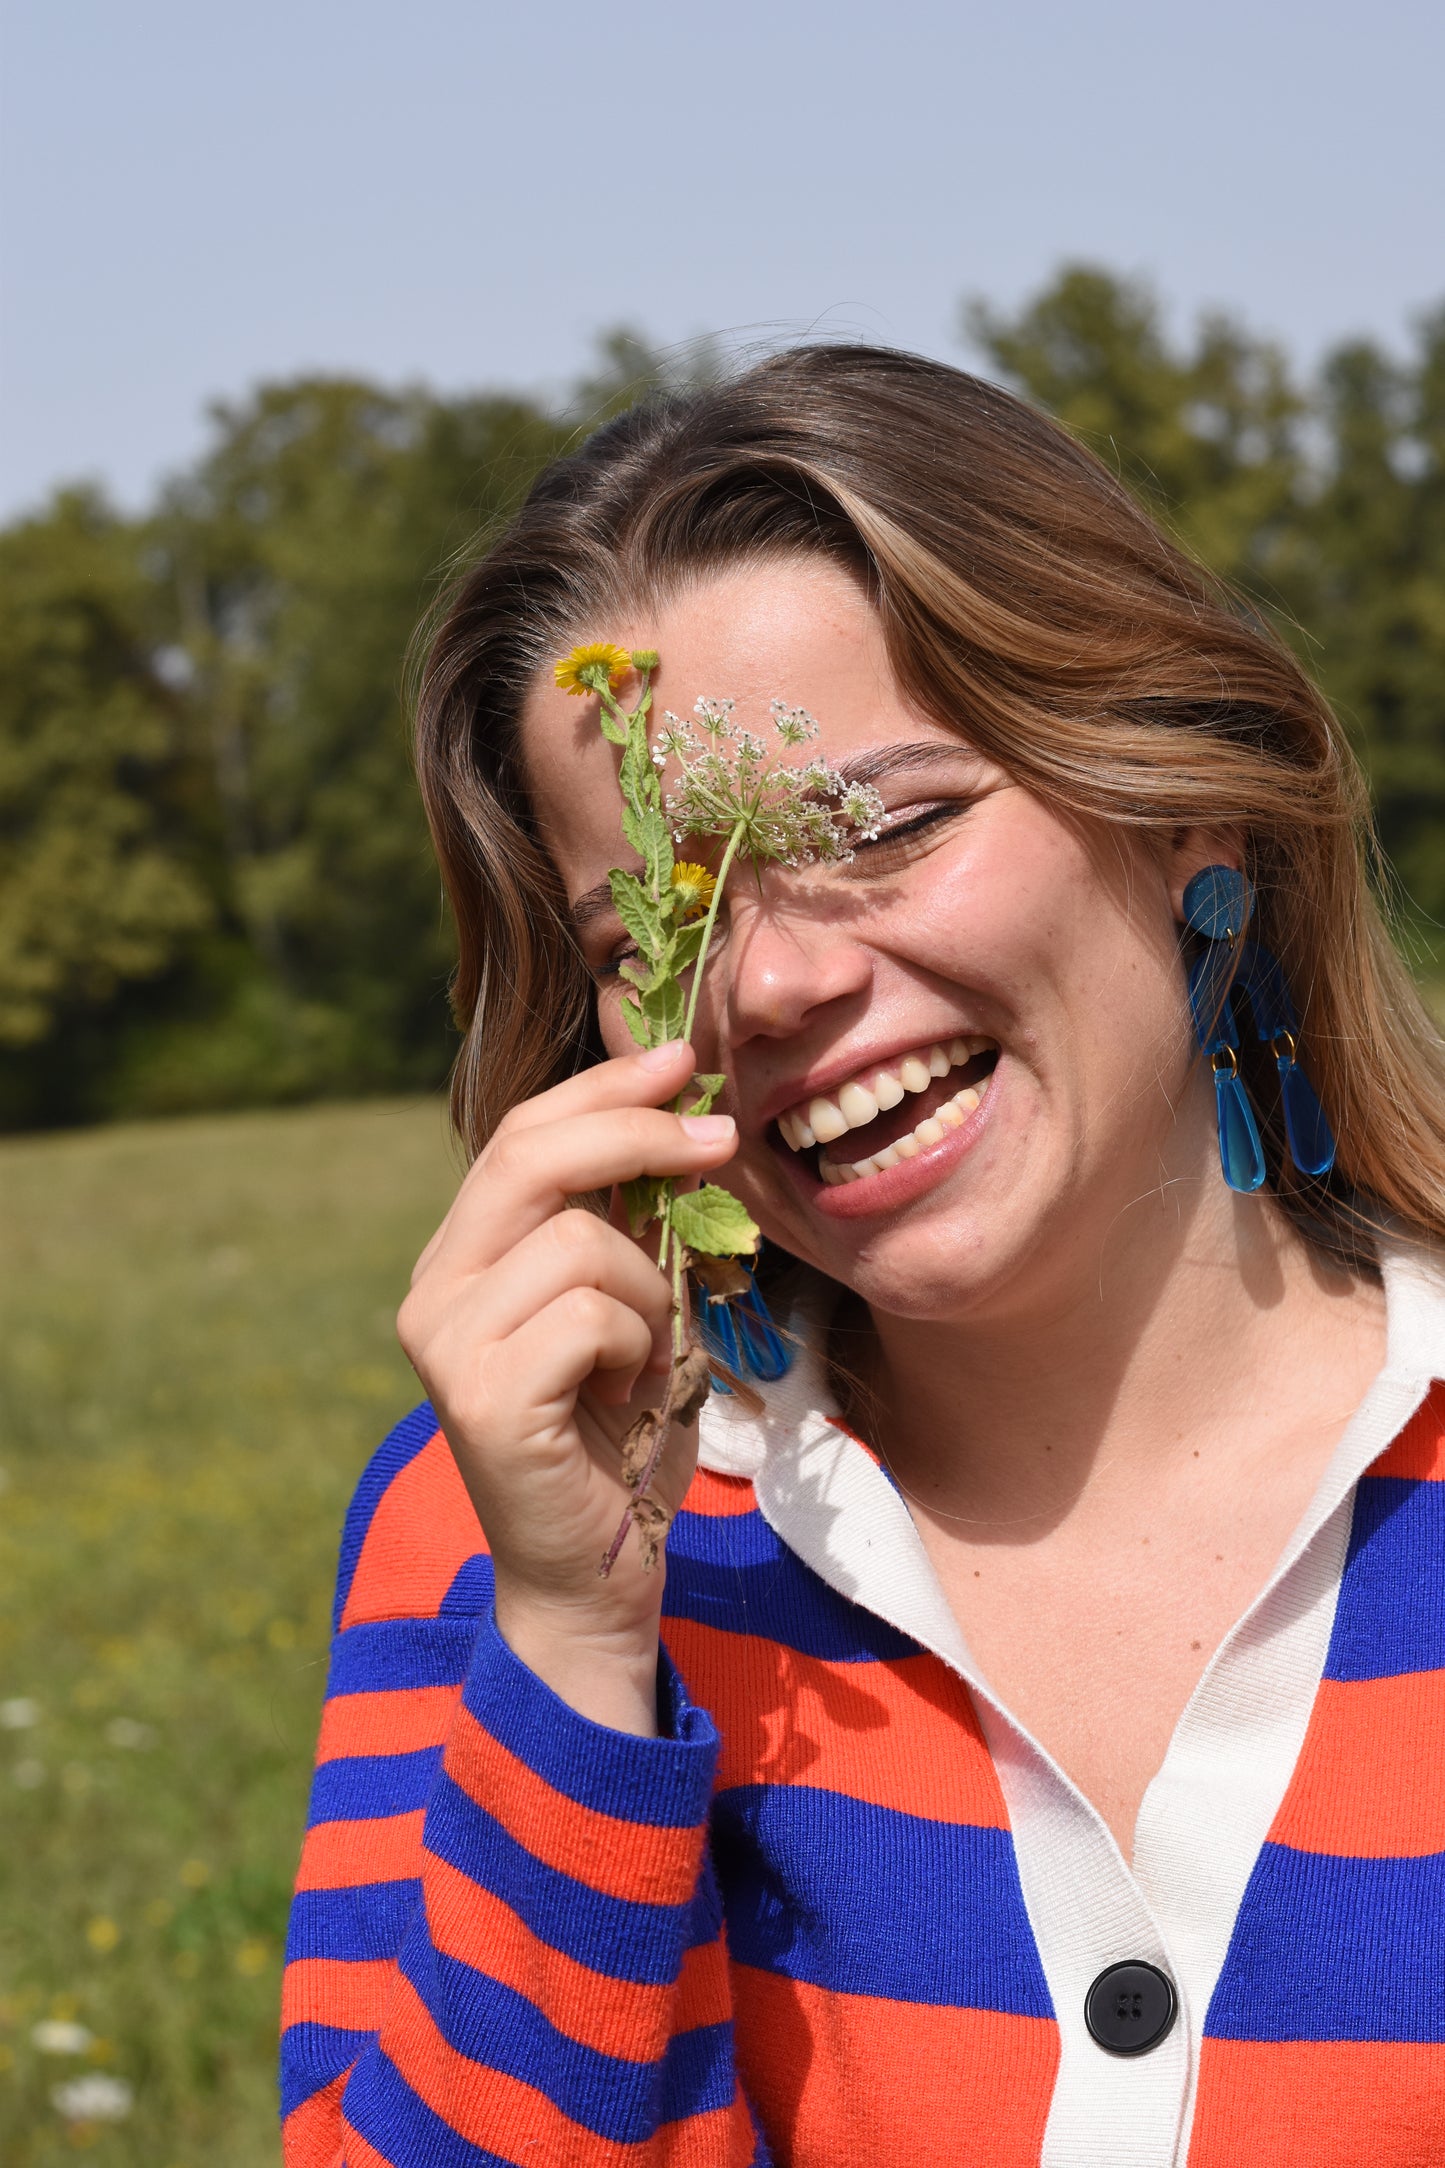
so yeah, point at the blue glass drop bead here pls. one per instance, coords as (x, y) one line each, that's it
(764, 1352)
(1311, 1139)
(1241, 1154)
(1217, 903)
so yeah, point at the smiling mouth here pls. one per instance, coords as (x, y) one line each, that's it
(892, 1111)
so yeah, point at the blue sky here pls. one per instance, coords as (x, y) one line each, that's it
(463, 192)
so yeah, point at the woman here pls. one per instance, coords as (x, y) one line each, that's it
(1033, 1749)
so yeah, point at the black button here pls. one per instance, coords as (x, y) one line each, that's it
(1130, 2008)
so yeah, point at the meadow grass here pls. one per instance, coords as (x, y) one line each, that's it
(197, 1354)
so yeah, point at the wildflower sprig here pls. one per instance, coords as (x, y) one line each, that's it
(730, 789)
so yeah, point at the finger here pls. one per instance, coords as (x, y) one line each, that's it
(530, 1174)
(645, 1079)
(583, 1335)
(572, 1249)
(648, 1078)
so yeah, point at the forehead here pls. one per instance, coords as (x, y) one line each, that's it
(795, 631)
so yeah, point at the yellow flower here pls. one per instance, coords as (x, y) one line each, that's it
(695, 886)
(600, 655)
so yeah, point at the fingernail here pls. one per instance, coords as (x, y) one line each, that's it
(708, 1128)
(661, 1057)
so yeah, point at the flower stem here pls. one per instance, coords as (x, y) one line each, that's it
(707, 932)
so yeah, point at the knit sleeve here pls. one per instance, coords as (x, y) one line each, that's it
(506, 1944)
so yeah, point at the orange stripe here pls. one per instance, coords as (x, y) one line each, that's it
(489, 2109)
(349, 1992)
(714, 1494)
(852, 2078)
(401, 1721)
(616, 2017)
(1419, 1451)
(1368, 1780)
(311, 2136)
(358, 2152)
(632, 1860)
(1327, 2103)
(345, 1855)
(422, 1533)
(901, 1734)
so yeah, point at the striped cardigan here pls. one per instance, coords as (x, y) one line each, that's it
(840, 1912)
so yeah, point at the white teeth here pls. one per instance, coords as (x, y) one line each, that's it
(857, 1105)
(826, 1121)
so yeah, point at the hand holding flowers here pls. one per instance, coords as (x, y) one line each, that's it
(732, 790)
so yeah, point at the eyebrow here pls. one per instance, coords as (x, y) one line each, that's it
(874, 764)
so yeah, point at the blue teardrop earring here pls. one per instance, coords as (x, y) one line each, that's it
(739, 1331)
(1218, 904)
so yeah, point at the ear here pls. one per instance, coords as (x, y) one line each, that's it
(1190, 850)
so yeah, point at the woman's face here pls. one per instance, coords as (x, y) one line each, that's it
(980, 936)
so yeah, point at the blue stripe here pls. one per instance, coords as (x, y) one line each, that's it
(361, 1787)
(664, 1783)
(368, 1922)
(395, 1452)
(698, 2073)
(1390, 1618)
(493, 2025)
(398, 2122)
(472, 1589)
(627, 1941)
(1335, 1949)
(393, 1655)
(774, 1596)
(867, 1901)
(312, 2055)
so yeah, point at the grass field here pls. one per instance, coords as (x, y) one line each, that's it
(196, 1357)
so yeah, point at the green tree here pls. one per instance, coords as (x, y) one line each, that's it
(102, 879)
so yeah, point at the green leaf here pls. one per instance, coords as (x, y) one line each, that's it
(644, 1200)
(611, 729)
(712, 1221)
(637, 911)
(707, 1084)
(664, 1008)
(637, 1024)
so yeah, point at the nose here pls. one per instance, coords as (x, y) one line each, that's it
(783, 965)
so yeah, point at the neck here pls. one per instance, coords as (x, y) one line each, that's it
(1162, 1341)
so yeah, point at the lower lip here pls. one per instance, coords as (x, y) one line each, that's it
(897, 1185)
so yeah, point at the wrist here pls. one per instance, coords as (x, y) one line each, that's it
(603, 1667)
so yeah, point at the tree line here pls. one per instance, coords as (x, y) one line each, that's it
(215, 882)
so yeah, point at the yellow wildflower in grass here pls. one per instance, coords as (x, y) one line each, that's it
(695, 885)
(592, 659)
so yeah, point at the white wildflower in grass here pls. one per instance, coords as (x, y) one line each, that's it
(730, 788)
(94, 2098)
(19, 1713)
(124, 1731)
(60, 2036)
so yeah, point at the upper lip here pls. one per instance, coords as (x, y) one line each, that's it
(818, 1082)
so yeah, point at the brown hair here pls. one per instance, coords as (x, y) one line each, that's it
(1026, 599)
